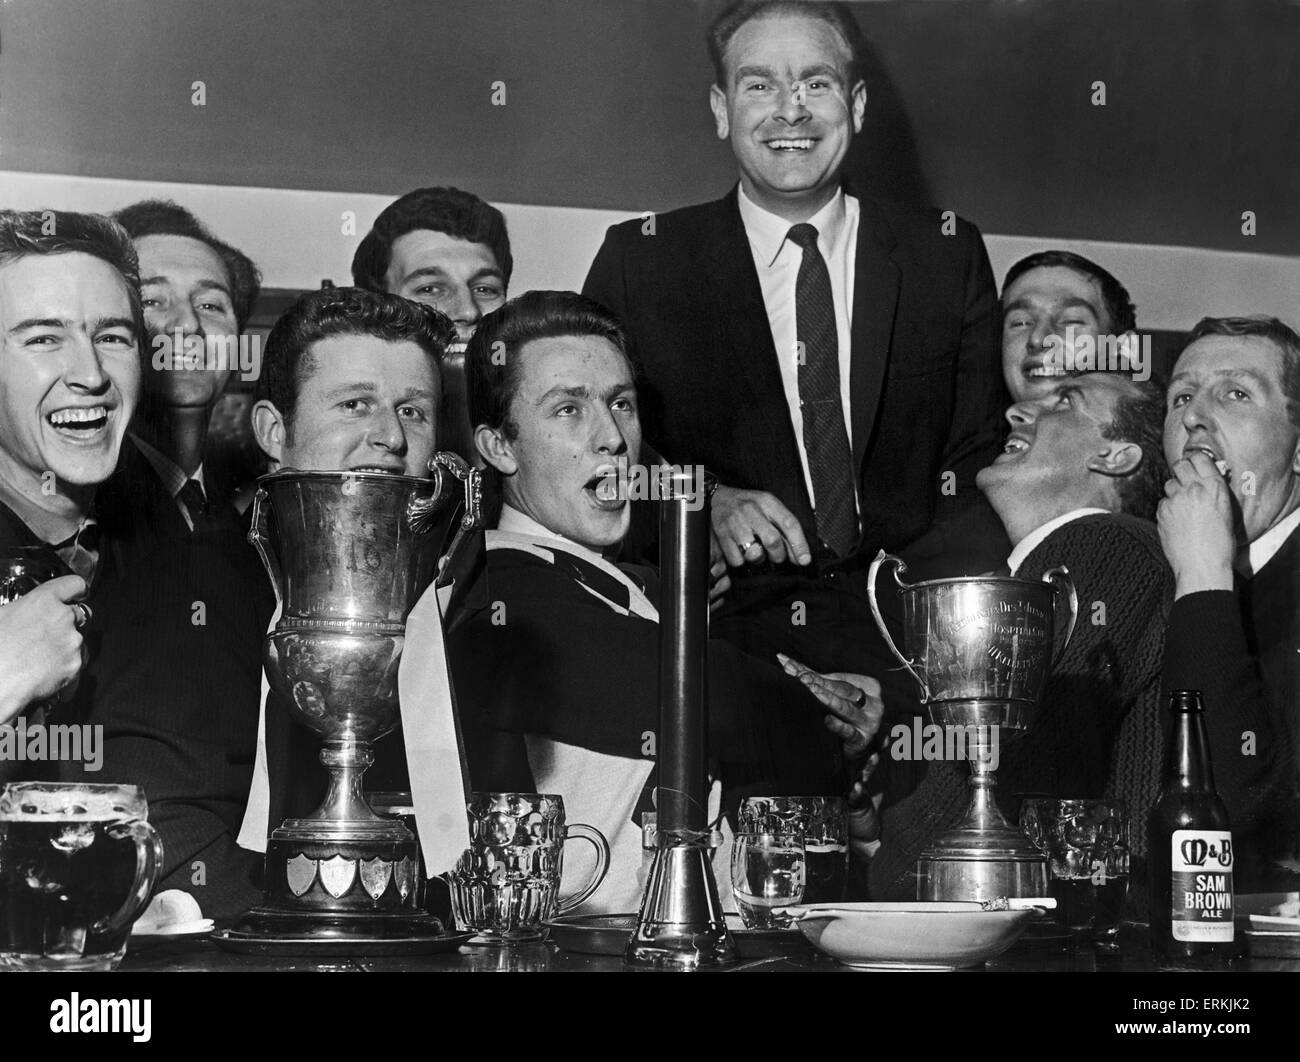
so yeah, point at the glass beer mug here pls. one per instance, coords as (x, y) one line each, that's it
(508, 881)
(77, 865)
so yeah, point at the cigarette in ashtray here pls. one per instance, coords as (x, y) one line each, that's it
(1018, 903)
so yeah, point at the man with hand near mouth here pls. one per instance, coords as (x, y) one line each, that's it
(831, 358)
(69, 380)
(1230, 526)
(1046, 298)
(556, 675)
(450, 250)
(1076, 486)
(174, 681)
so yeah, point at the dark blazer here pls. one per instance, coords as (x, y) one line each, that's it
(926, 383)
(1241, 649)
(176, 688)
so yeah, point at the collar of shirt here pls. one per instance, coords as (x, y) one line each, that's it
(767, 232)
(42, 525)
(1031, 541)
(172, 476)
(1251, 559)
(516, 523)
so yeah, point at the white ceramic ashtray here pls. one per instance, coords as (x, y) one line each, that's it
(918, 935)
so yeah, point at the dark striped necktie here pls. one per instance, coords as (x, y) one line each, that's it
(196, 503)
(825, 437)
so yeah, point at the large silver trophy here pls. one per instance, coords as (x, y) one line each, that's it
(349, 554)
(981, 650)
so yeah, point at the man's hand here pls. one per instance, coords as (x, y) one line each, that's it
(1196, 526)
(40, 645)
(854, 702)
(752, 526)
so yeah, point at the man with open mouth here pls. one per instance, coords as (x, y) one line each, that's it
(1076, 485)
(450, 250)
(1230, 525)
(556, 671)
(69, 381)
(829, 356)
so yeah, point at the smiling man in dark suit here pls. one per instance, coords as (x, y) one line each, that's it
(830, 357)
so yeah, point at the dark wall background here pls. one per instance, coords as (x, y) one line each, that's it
(981, 106)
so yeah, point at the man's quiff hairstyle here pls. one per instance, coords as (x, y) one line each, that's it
(1115, 297)
(161, 217)
(1280, 334)
(343, 312)
(49, 232)
(492, 361)
(458, 214)
(837, 16)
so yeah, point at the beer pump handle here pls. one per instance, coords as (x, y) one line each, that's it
(883, 558)
(1060, 579)
(261, 541)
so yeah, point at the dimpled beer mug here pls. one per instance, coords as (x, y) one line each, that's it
(77, 864)
(508, 881)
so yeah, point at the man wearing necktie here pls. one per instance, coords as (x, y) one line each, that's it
(176, 668)
(830, 357)
(1230, 526)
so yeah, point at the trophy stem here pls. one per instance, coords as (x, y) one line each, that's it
(983, 813)
(344, 800)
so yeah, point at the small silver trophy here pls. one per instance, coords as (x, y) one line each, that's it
(980, 648)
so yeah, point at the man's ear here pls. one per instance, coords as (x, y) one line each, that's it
(1118, 460)
(858, 105)
(495, 450)
(269, 430)
(718, 103)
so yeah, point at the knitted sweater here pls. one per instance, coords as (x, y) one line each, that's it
(1105, 688)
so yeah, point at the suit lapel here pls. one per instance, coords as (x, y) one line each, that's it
(750, 354)
(875, 298)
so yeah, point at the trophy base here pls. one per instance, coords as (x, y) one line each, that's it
(268, 931)
(981, 865)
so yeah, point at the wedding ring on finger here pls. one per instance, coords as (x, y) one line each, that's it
(81, 614)
(753, 543)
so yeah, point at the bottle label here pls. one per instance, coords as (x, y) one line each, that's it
(1202, 885)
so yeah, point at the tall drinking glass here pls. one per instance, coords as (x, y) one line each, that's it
(768, 871)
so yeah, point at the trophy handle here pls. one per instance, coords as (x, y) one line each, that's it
(261, 541)
(1060, 579)
(883, 558)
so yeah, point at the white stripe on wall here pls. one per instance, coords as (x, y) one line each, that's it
(297, 239)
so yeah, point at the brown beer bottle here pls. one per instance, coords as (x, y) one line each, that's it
(1190, 851)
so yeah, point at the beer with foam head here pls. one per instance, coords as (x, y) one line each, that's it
(77, 864)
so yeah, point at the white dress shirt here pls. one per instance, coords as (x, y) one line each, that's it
(777, 261)
(1031, 541)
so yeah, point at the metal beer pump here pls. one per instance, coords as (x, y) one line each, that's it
(681, 925)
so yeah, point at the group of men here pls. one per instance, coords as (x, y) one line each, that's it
(831, 358)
